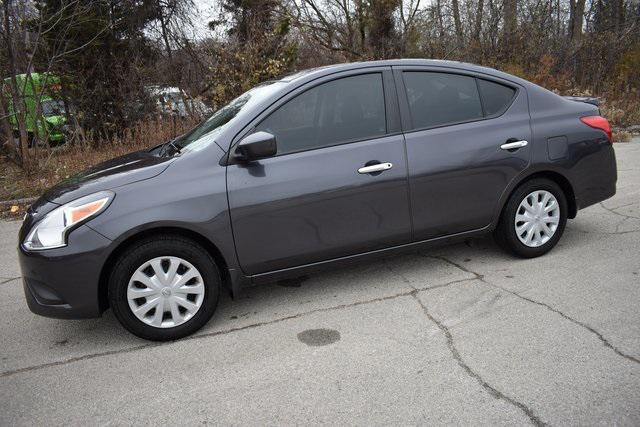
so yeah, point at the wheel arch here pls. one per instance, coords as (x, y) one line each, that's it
(209, 246)
(551, 175)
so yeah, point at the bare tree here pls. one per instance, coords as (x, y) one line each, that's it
(4, 119)
(440, 18)
(576, 19)
(457, 22)
(9, 15)
(510, 20)
(477, 28)
(172, 19)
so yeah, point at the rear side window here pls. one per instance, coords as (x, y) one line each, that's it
(439, 98)
(495, 97)
(342, 110)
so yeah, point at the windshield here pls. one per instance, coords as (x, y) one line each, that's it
(206, 132)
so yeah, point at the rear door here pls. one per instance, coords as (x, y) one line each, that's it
(312, 201)
(456, 127)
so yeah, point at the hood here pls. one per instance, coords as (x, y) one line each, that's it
(108, 175)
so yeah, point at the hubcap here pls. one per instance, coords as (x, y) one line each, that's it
(537, 218)
(165, 292)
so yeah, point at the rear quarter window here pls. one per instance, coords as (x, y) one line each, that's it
(496, 97)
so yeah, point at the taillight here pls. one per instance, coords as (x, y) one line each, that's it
(598, 122)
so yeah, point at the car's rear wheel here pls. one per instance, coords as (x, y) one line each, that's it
(164, 288)
(533, 219)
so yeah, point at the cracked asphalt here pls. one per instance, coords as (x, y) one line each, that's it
(462, 334)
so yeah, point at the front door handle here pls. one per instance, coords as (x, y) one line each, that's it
(513, 145)
(378, 167)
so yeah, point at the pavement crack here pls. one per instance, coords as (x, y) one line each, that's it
(583, 325)
(426, 288)
(478, 276)
(613, 211)
(10, 279)
(444, 285)
(606, 233)
(201, 336)
(456, 355)
(623, 206)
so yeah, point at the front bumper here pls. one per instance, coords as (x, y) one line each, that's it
(64, 282)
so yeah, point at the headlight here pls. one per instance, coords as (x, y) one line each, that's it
(52, 230)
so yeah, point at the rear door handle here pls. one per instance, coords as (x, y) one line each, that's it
(379, 167)
(513, 145)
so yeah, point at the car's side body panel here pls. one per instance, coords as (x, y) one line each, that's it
(368, 256)
(580, 153)
(458, 172)
(310, 206)
(191, 195)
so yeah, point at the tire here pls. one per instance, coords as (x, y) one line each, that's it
(542, 241)
(176, 321)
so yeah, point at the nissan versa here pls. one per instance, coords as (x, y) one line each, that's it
(321, 167)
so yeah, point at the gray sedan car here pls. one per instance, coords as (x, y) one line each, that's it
(322, 167)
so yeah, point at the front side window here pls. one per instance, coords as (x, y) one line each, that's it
(438, 98)
(339, 111)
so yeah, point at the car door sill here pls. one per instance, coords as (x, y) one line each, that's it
(297, 271)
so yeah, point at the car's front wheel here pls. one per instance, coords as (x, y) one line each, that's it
(533, 219)
(164, 288)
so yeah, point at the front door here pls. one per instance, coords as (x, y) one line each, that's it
(313, 201)
(456, 129)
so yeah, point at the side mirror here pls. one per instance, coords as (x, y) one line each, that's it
(256, 146)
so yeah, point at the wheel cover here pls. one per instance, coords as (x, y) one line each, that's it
(165, 292)
(537, 218)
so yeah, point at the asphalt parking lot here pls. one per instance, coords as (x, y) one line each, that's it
(463, 334)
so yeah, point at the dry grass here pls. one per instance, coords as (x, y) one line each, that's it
(13, 211)
(55, 164)
(622, 136)
(622, 112)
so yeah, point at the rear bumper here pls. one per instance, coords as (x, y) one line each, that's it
(599, 180)
(64, 282)
(596, 195)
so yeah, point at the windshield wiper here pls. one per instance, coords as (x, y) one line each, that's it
(171, 144)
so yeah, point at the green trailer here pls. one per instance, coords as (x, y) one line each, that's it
(46, 87)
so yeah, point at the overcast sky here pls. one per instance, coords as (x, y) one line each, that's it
(206, 11)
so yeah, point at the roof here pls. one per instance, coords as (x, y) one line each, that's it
(330, 69)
